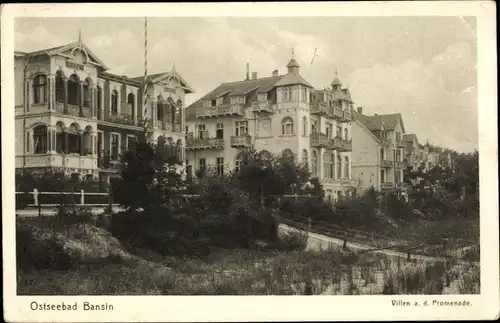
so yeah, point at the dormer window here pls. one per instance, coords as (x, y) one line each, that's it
(262, 97)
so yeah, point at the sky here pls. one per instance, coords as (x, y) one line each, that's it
(422, 67)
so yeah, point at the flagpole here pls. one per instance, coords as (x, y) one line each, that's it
(145, 85)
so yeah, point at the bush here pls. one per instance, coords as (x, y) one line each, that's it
(294, 241)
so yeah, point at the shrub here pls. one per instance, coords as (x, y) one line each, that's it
(294, 241)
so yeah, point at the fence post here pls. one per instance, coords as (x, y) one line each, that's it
(409, 255)
(35, 196)
(82, 197)
(345, 240)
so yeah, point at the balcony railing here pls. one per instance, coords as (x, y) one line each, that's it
(114, 117)
(400, 164)
(386, 163)
(337, 113)
(320, 140)
(338, 143)
(244, 141)
(221, 110)
(319, 107)
(204, 143)
(346, 145)
(262, 106)
(346, 116)
(400, 144)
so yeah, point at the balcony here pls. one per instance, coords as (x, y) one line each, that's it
(400, 164)
(244, 141)
(223, 110)
(320, 140)
(319, 108)
(264, 106)
(346, 145)
(386, 163)
(400, 144)
(204, 143)
(114, 117)
(73, 110)
(346, 116)
(57, 160)
(338, 143)
(336, 113)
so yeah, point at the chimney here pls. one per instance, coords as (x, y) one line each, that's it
(248, 71)
(360, 110)
(254, 75)
(275, 73)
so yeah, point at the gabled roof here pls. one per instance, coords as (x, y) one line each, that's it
(292, 79)
(242, 87)
(63, 48)
(375, 122)
(154, 78)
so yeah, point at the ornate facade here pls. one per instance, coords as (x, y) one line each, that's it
(73, 116)
(280, 114)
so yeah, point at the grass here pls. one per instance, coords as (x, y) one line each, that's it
(290, 270)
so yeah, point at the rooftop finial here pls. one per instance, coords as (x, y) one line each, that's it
(293, 52)
(80, 38)
(336, 72)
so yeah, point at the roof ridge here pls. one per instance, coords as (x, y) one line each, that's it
(257, 79)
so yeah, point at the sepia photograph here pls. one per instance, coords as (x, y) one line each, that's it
(247, 155)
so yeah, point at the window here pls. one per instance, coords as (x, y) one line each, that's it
(220, 166)
(262, 97)
(59, 88)
(287, 126)
(339, 132)
(328, 164)
(346, 134)
(382, 176)
(99, 95)
(220, 131)
(314, 163)
(339, 167)
(382, 154)
(398, 137)
(287, 94)
(131, 142)
(241, 128)
(201, 131)
(186, 129)
(314, 126)
(114, 102)
(203, 167)
(73, 90)
(237, 164)
(86, 93)
(304, 95)
(40, 89)
(287, 153)
(213, 103)
(304, 126)
(305, 157)
(40, 139)
(346, 167)
(115, 141)
(329, 130)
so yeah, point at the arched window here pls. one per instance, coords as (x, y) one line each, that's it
(114, 102)
(86, 93)
(99, 96)
(60, 137)
(305, 157)
(304, 126)
(40, 139)
(40, 89)
(73, 90)
(346, 167)
(332, 165)
(59, 88)
(160, 106)
(339, 167)
(314, 163)
(131, 104)
(219, 132)
(265, 156)
(287, 153)
(346, 134)
(327, 165)
(287, 126)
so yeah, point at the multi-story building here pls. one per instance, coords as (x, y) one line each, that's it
(378, 150)
(414, 156)
(280, 114)
(74, 117)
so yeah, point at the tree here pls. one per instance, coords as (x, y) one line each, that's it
(148, 176)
